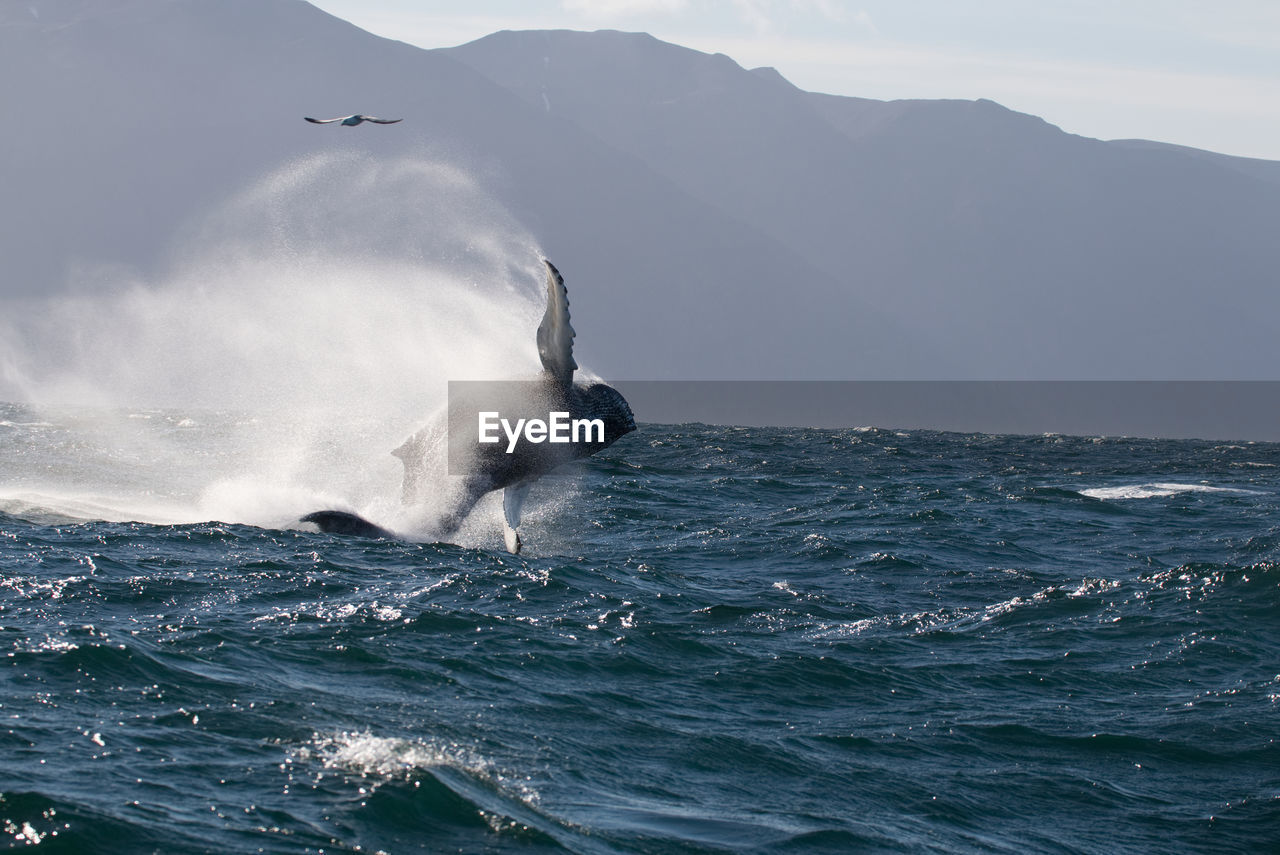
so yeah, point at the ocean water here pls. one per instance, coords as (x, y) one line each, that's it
(718, 640)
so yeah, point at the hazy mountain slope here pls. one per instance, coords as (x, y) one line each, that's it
(711, 221)
(1268, 170)
(138, 115)
(1018, 249)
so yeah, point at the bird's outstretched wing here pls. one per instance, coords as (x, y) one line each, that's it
(555, 335)
(382, 121)
(323, 121)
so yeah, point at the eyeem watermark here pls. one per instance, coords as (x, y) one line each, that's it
(494, 424)
(557, 428)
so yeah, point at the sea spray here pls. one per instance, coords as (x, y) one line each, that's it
(319, 314)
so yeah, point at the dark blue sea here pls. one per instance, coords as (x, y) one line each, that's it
(717, 640)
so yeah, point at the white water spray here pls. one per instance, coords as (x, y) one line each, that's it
(306, 329)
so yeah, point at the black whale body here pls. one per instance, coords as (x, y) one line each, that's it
(485, 467)
(344, 522)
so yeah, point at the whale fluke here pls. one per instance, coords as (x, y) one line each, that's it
(341, 522)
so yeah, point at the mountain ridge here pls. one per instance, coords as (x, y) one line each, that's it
(714, 221)
(978, 225)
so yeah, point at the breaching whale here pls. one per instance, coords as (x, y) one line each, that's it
(352, 121)
(482, 467)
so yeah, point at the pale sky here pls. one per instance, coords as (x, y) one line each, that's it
(1193, 72)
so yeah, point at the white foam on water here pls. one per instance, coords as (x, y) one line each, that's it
(378, 760)
(388, 758)
(1158, 490)
(55, 508)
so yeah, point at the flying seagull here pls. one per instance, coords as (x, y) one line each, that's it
(352, 121)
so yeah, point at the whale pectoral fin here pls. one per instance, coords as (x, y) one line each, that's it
(555, 334)
(341, 522)
(512, 503)
(511, 538)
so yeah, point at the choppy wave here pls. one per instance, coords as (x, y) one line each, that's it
(729, 640)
